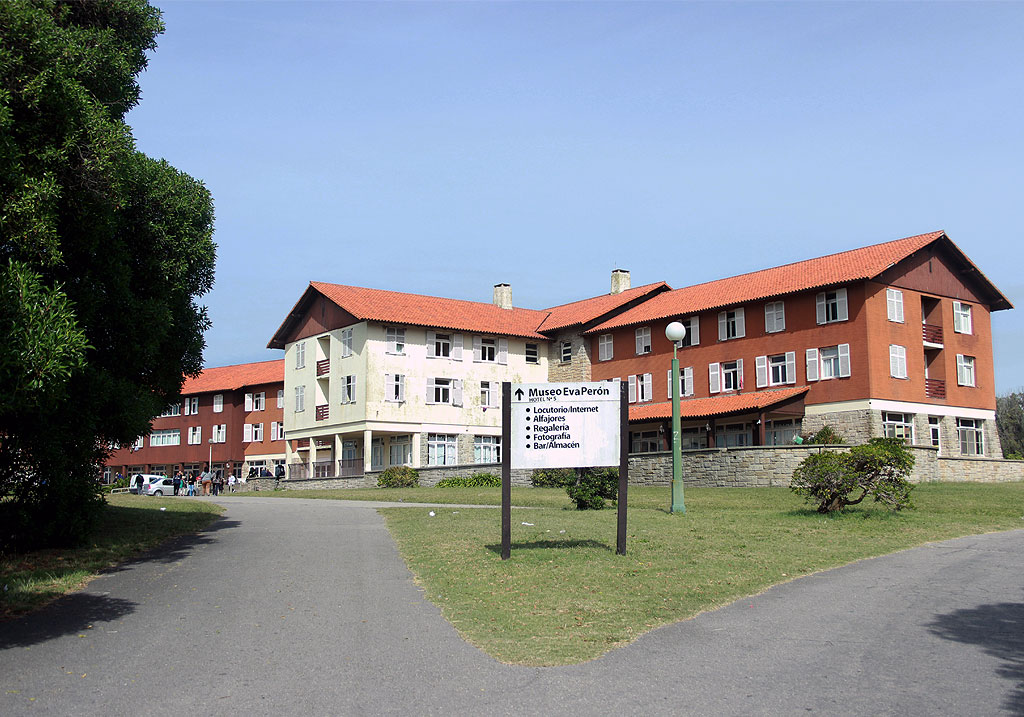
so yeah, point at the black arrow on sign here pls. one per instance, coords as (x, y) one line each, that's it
(519, 394)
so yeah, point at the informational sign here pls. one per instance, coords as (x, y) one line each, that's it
(565, 425)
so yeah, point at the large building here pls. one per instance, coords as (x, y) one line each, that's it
(227, 415)
(892, 339)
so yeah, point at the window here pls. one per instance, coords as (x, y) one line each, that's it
(831, 306)
(532, 353)
(774, 317)
(605, 347)
(395, 340)
(442, 449)
(300, 355)
(894, 304)
(400, 451)
(488, 394)
(566, 348)
(488, 350)
(781, 433)
(442, 346)
(252, 433)
(139, 444)
(300, 399)
(165, 437)
(732, 435)
(898, 425)
(220, 433)
(644, 442)
(643, 340)
(218, 403)
(935, 432)
(692, 337)
(685, 381)
(731, 324)
(280, 398)
(962, 323)
(346, 343)
(277, 431)
(971, 435)
(255, 401)
(964, 370)
(348, 389)
(195, 435)
(776, 370)
(897, 361)
(828, 362)
(487, 449)
(444, 390)
(192, 406)
(394, 384)
(172, 410)
(641, 388)
(727, 376)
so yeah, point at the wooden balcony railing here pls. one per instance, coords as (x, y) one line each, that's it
(323, 367)
(301, 443)
(932, 333)
(323, 412)
(934, 388)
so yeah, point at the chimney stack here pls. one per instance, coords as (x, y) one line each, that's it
(503, 296)
(620, 280)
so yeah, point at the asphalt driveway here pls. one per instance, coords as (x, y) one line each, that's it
(303, 607)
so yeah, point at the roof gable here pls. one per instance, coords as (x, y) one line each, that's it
(577, 313)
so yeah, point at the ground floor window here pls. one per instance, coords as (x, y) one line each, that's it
(972, 439)
(400, 451)
(442, 449)
(898, 425)
(781, 433)
(733, 435)
(107, 475)
(691, 439)
(645, 442)
(935, 431)
(487, 449)
(377, 454)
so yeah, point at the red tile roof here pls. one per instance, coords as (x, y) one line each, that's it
(715, 405)
(231, 378)
(432, 311)
(841, 268)
(580, 312)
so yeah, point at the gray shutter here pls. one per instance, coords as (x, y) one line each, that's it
(741, 323)
(632, 389)
(761, 371)
(456, 392)
(247, 433)
(431, 345)
(248, 402)
(503, 351)
(648, 386)
(401, 387)
(769, 318)
(695, 330)
(819, 307)
(355, 389)
(457, 347)
(477, 348)
(687, 379)
(841, 301)
(389, 382)
(844, 360)
(739, 370)
(812, 364)
(791, 367)
(714, 378)
(723, 323)
(430, 390)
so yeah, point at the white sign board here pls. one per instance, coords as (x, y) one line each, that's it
(565, 425)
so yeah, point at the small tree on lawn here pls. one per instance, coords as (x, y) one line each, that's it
(878, 469)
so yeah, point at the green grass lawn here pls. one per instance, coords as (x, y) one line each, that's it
(130, 525)
(566, 597)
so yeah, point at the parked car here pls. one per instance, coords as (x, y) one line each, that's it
(160, 485)
(147, 479)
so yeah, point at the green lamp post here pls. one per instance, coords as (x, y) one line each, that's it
(676, 332)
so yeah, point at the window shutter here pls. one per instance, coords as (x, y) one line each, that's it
(503, 351)
(960, 369)
(812, 364)
(714, 378)
(477, 350)
(695, 331)
(431, 338)
(769, 318)
(354, 396)
(723, 325)
(401, 388)
(841, 300)
(894, 361)
(741, 323)
(632, 389)
(639, 342)
(687, 380)
(248, 402)
(648, 386)
(389, 382)
(457, 392)
(457, 347)
(430, 390)
(791, 367)
(185, 409)
(739, 370)
(761, 371)
(844, 360)
(258, 432)
(819, 306)
(280, 398)
(247, 433)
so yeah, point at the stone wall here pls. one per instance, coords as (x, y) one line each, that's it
(578, 369)
(981, 470)
(853, 426)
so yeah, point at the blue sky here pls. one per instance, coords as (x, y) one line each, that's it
(441, 148)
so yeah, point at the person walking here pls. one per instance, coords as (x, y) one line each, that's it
(176, 482)
(207, 479)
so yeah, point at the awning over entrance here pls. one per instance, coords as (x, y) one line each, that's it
(731, 404)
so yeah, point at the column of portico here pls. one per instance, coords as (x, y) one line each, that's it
(339, 443)
(416, 439)
(367, 451)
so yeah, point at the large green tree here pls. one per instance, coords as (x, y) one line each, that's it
(1010, 422)
(103, 254)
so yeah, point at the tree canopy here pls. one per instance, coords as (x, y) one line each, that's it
(1010, 422)
(103, 255)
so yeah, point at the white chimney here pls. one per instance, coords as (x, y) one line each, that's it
(620, 280)
(503, 296)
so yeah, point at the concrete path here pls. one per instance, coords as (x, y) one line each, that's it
(303, 607)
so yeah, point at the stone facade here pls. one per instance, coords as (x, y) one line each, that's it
(853, 426)
(578, 369)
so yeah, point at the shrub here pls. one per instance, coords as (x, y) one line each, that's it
(477, 480)
(593, 486)
(398, 477)
(553, 477)
(119, 483)
(826, 435)
(878, 468)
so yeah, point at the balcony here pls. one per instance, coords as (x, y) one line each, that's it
(301, 443)
(323, 367)
(932, 334)
(298, 471)
(934, 388)
(323, 412)
(323, 469)
(350, 467)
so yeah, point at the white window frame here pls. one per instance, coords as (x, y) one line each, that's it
(394, 336)
(897, 361)
(685, 382)
(255, 401)
(346, 342)
(643, 340)
(300, 355)
(165, 437)
(195, 435)
(402, 446)
(641, 388)
(276, 431)
(487, 449)
(963, 322)
(280, 398)
(970, 433)
(966, 374)
(394, 387)
(605, 347)
(439, 345)
(173, 410)
(300, 399)
(448, 391)
(443, 446)
(831, 306)
(218, 403)
(894, 305)
(775, 370)
(898, 425)
(220, 433)
(736, 371)
(348, 389)
(488, 350)
(692, 337)
(774, 317)
(731, 324)
(488, 394)
(191, 405)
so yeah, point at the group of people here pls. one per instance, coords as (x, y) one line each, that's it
(205, 482)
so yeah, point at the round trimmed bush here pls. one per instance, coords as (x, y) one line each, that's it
(398, 477)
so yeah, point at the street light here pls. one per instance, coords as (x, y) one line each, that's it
(209, 462)
(676, 332)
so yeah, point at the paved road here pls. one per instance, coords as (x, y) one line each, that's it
(301, 607)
